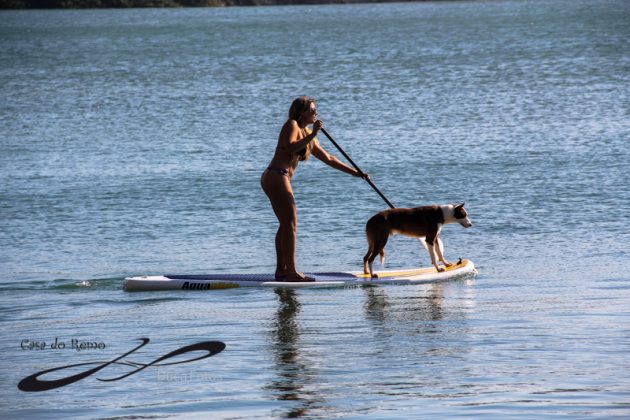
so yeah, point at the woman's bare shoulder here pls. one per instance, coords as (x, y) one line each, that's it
(291, 124)
(290, 129)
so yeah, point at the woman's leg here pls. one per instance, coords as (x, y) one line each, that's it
(281, 267)
(278, 189)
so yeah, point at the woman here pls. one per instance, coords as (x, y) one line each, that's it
(295, 143)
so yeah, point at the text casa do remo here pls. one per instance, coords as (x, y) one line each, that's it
(75, 344)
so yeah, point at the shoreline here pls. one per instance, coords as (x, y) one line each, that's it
(128, 4)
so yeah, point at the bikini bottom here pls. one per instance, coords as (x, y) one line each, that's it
(284, 172)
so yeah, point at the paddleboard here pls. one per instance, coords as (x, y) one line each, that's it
(330, 279)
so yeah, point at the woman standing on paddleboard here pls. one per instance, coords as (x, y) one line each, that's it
(295, 143)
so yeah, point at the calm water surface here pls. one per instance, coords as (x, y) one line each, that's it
(132, 141)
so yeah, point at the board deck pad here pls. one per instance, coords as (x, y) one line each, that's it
(326, 279)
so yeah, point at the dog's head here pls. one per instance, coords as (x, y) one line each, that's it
(461, 215)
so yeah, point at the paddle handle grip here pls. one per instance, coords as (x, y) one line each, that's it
(369, 181)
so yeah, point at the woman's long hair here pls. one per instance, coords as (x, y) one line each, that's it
(298, 107)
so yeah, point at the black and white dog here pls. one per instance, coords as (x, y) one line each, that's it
(418, 222)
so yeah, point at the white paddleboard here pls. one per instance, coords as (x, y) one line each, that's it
(333, 279)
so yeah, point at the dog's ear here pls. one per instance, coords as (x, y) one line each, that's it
(459, 205)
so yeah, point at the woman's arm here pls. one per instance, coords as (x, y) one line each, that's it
(293, 142)
(319, 152)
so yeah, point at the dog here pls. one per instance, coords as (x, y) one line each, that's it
(418, 222)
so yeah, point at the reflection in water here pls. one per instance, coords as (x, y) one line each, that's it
(379, 309)
(293, 372)
(420, 318)
(432, 304)
(376, 305)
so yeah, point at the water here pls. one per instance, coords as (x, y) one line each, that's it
(132, 143)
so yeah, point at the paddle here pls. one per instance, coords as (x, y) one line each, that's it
(371, 183)
(356, 167)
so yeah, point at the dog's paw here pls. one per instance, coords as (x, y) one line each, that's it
(440, 269)
(374, 276)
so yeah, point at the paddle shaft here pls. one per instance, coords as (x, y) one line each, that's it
(357, 168)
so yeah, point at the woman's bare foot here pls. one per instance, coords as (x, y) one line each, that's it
(298, 277)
